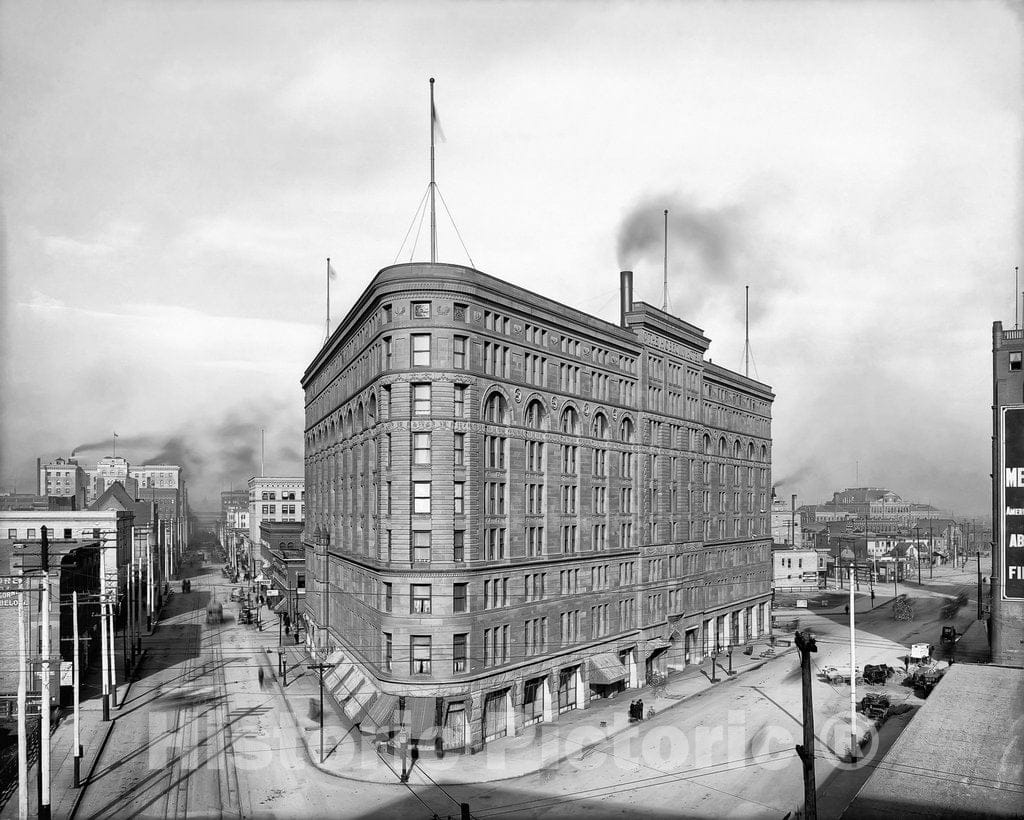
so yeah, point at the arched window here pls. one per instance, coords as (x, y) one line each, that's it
(764, 452)
(360, 417)
(723, 448)
(570, 422)
(750, 451)
(736, 449)
(371, 409)
(535, 415)
(705, 444)
(599, 428)
(495, 409)
(627, 432)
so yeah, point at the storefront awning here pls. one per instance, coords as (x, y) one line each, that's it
(419, 717)
(606, 669)
(383, 712)
(281, 606)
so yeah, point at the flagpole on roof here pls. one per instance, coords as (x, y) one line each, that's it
(433, 215)
(327, 335)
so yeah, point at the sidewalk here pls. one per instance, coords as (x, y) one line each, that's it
(351, 756)
(95, 733)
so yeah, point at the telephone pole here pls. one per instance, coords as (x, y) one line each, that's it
(77, 682)
(22, 704)
(44, 700)
(321, 668)
(805, 643)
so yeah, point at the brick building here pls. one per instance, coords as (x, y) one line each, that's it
(1006, 624)
(514, 506)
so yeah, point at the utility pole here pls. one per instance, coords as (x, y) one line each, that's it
(805, 643)
(44, 700)
(105, 660)
(321, 668)
(854, 746)
(76, 683)
(22, 703)
(979, 584)
(917, 549)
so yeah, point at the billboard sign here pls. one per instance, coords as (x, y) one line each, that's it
(1011, 503)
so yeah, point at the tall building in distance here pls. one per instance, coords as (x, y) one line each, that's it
(1006, 622)
(514, 506)
(63, 477)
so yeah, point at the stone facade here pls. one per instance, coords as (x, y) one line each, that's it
(502, 489)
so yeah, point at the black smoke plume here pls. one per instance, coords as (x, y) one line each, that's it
(712, 252)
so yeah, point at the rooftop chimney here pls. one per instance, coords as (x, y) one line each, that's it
(625, 295)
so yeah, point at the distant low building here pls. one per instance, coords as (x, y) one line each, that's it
(798, 568)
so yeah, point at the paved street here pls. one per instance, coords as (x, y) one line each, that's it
(199, 736)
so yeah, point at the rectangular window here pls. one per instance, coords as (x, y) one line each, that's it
(419, 646)
(459, 545)
(534, 541)
(495, 540)
(420, 448)
(388, 600)
(459, 352)
(460, 501)
(13, 533)
(419, 595)
(421, 496)
(460, 449)
(421, 310)
(388, 349)
(421, 399)
(494, 449)
(421, 349)
(460, 312)
(459, 653)
(387, 651)
(459, 409)
(460, 599)
(421, 546)
(535, 456)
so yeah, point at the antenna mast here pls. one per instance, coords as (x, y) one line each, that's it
(746, 328)
(1016, 297)
(433, 214)
(664, 304)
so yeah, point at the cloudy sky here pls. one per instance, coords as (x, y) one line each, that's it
(174, 175)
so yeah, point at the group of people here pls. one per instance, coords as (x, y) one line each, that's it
(186, 585)
(636, 710)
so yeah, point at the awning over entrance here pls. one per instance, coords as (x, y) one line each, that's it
(606, 669)
(419, 717)
(383, 712)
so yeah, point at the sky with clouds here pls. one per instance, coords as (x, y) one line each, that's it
(174, 175)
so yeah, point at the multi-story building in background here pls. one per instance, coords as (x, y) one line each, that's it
(1006, 622)
(160, 476)
(63, 477)
(787, 523)
(270, 498)
(108, 470)
(515, 506)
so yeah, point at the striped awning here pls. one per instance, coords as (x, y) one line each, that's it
(383, 712)
(281, 606)
(606, 669)
(419, 717)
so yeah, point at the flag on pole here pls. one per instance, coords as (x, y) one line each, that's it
(435, 123)
(331, 272)
(115, 435)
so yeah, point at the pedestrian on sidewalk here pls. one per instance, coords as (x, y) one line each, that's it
(872, 597)
(259, 674)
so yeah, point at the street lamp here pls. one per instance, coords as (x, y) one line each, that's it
(321, 668)
(714, 663)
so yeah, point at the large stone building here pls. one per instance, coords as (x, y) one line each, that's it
(513, 506)
(1006, 627)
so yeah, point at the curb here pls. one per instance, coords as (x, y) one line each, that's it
(543, 765)
(92, 768)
